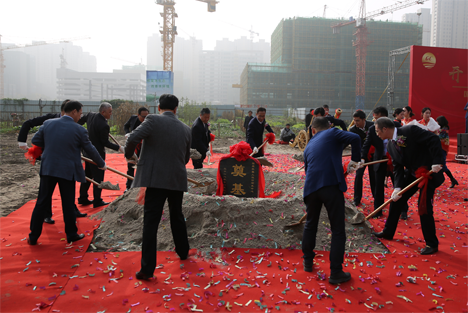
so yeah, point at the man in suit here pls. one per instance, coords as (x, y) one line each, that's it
(333, 121)
(99, 135)
(324, 185)
(380, 169)
(247, 120)
(361, 128)
(414, 152)
(255, 132)
(61, 140)
(23, 138)
(161, 169)
(133, 122)
(201, 137)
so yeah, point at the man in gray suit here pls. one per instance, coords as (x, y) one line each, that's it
(161, 169)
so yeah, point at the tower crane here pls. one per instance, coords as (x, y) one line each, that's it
(39, 43)
(169, 30)
(361, 41)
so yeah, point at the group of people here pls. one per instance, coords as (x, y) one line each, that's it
(419, 149)
(161, 145)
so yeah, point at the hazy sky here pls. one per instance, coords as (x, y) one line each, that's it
(120, 28)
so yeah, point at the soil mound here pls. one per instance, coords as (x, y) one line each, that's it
(214, 222)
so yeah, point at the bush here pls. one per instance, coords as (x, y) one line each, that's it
(223, 120)
(301, 126)
(121, 115)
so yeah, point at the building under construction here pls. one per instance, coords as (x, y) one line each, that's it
(311, 66)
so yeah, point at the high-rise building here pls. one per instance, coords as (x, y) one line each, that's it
(38, 68)
(128, 83)
(311, 66)
(422, 17)
(449, 24)
(208, 75)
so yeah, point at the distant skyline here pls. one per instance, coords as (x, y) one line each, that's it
(119, 29)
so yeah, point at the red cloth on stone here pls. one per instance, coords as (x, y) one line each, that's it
(241, 152)
(33, 153)
(423, 172)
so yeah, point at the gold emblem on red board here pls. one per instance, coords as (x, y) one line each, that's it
(428, 60)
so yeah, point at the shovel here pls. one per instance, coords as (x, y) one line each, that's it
(209, 157)
(264, 161)
(298, 169)
(117, 143)
(400, 193)
(301, 221)
(104, 185)
(131, 178)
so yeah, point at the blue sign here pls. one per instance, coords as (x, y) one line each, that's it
(158, 83)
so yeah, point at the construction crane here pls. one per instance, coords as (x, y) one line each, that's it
(324, 11)
(39, 43)
(361, 41)
(169, 30)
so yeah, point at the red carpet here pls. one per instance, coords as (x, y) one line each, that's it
(270, 279)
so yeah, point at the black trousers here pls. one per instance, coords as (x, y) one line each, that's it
(44, 203)
(199, 163)
(93, 172)
(379, 185)
(131, 171)
(427, 220)
(154, 204)
(358, 183)
(289, 138)
(333, 199)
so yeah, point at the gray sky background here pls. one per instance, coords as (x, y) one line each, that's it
(120, 28)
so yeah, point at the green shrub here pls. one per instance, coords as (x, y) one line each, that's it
(301, 126)
(222, 120)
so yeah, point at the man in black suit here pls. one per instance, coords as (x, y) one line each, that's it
(414, 152)
(331, 119)
(380, 169)
(162, 170)
(247, 120)
(201, 137)
(361, 128)
(99, 135)
(61, 140)
(133, 122)
(255, 132)
(23, 138)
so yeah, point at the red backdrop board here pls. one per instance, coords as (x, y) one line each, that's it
(438, 80)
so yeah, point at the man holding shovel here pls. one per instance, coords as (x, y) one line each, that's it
(255, 132)
(61, 140)
(325, 184)
(201, 137)
(99, 130)
(162, 170)
(414, 152)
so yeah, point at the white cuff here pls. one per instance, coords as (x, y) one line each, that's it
(22, 144)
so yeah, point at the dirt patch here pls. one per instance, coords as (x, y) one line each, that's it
(214, 222)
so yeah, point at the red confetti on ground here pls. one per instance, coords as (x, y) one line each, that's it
(34, 277)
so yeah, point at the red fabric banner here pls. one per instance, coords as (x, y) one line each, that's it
(423, 172)
(438, 80)
(33, 153)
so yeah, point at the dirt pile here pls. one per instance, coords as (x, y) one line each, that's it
(214, 222)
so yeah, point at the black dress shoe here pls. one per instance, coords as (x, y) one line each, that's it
(49, 220)
(85, 202)
(31, 242)
(96, 205)
(429, 250)
(79, 214)
(75, 238)
(356, 203)
(404, 215)
(382, 235)
(142, 276)
(307, 266)
(339, 278)
(454, 183)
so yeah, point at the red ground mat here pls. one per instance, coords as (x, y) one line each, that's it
(270, 279)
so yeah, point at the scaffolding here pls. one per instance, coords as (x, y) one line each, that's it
(391, 74)
(311, 66)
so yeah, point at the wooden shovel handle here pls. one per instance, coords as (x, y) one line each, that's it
(261, 146)
(400, 193)
(115, 140)
(375, 162)
(92, 181)
(109, 168)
